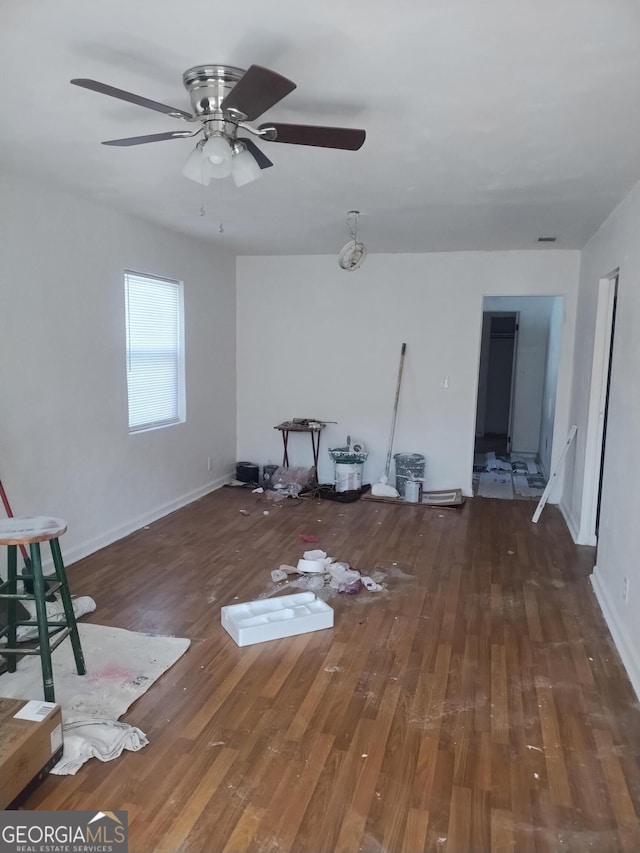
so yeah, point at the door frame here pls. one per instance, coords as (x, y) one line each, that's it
(594, 437)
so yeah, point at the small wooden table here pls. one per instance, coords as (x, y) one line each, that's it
(314, 429)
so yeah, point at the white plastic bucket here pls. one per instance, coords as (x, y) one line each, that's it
(348, 476)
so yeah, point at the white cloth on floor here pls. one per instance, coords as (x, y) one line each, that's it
(94, 737)
(121, 666)
(55, 612)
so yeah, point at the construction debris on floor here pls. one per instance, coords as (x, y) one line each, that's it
(281, 482)
(320, 576)
(507, 477)
(440, 498)
(324, 575)
(329, 492)
(335, 574)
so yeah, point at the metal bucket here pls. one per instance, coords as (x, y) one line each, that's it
(413, 491)
(409, 466)
(267, 473)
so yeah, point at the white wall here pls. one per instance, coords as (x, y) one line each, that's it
(547, 415)
(614, 245)
(315, 341)
(483, 375)
(64, 443)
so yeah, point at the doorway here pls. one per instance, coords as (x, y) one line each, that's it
(515, 406)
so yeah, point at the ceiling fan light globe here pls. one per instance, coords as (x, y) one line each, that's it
(244, 168)
(196, 168)
(219, 170)
(219, 154)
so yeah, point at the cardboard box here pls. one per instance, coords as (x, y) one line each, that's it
(30, 744)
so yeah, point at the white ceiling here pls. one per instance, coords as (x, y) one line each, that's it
(489, 122)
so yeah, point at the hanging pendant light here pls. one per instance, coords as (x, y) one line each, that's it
(353, 253)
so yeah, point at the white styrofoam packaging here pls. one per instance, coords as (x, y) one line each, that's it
(274, 618)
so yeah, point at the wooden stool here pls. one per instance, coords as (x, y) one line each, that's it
(32, 531)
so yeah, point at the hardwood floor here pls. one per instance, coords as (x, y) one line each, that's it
(477, 704)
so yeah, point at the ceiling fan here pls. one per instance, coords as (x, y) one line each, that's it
(224, 100)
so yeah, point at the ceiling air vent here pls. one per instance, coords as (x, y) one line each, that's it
(547, 239)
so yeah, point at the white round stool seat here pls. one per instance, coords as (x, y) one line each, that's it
(24, 531)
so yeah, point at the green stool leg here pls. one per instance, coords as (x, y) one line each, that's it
(12, 589)
(68, 606)
(43, 629)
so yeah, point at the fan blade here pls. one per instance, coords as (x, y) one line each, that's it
(309, 134)
(152, 137)
(257, 91)
(261, 159)
(95, 86)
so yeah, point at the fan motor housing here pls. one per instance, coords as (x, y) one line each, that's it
(208, 86)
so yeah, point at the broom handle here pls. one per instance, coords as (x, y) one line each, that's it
(7, 507)
(395, 410)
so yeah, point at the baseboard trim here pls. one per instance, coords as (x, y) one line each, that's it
(92, 545)
(624, 647)
(569, 521)
(576, 530)
(586, 537)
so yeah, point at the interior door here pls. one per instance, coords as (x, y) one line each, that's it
(512, 393)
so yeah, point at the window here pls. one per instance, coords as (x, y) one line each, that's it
(155, 351)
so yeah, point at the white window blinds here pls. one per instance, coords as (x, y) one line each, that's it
(155, 374)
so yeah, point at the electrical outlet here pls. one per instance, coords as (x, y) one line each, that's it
(625, 589)
(210, 463)
(445, 382)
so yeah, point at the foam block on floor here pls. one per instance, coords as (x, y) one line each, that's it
(275, 618)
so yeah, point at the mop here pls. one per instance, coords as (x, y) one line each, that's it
(381, 489)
